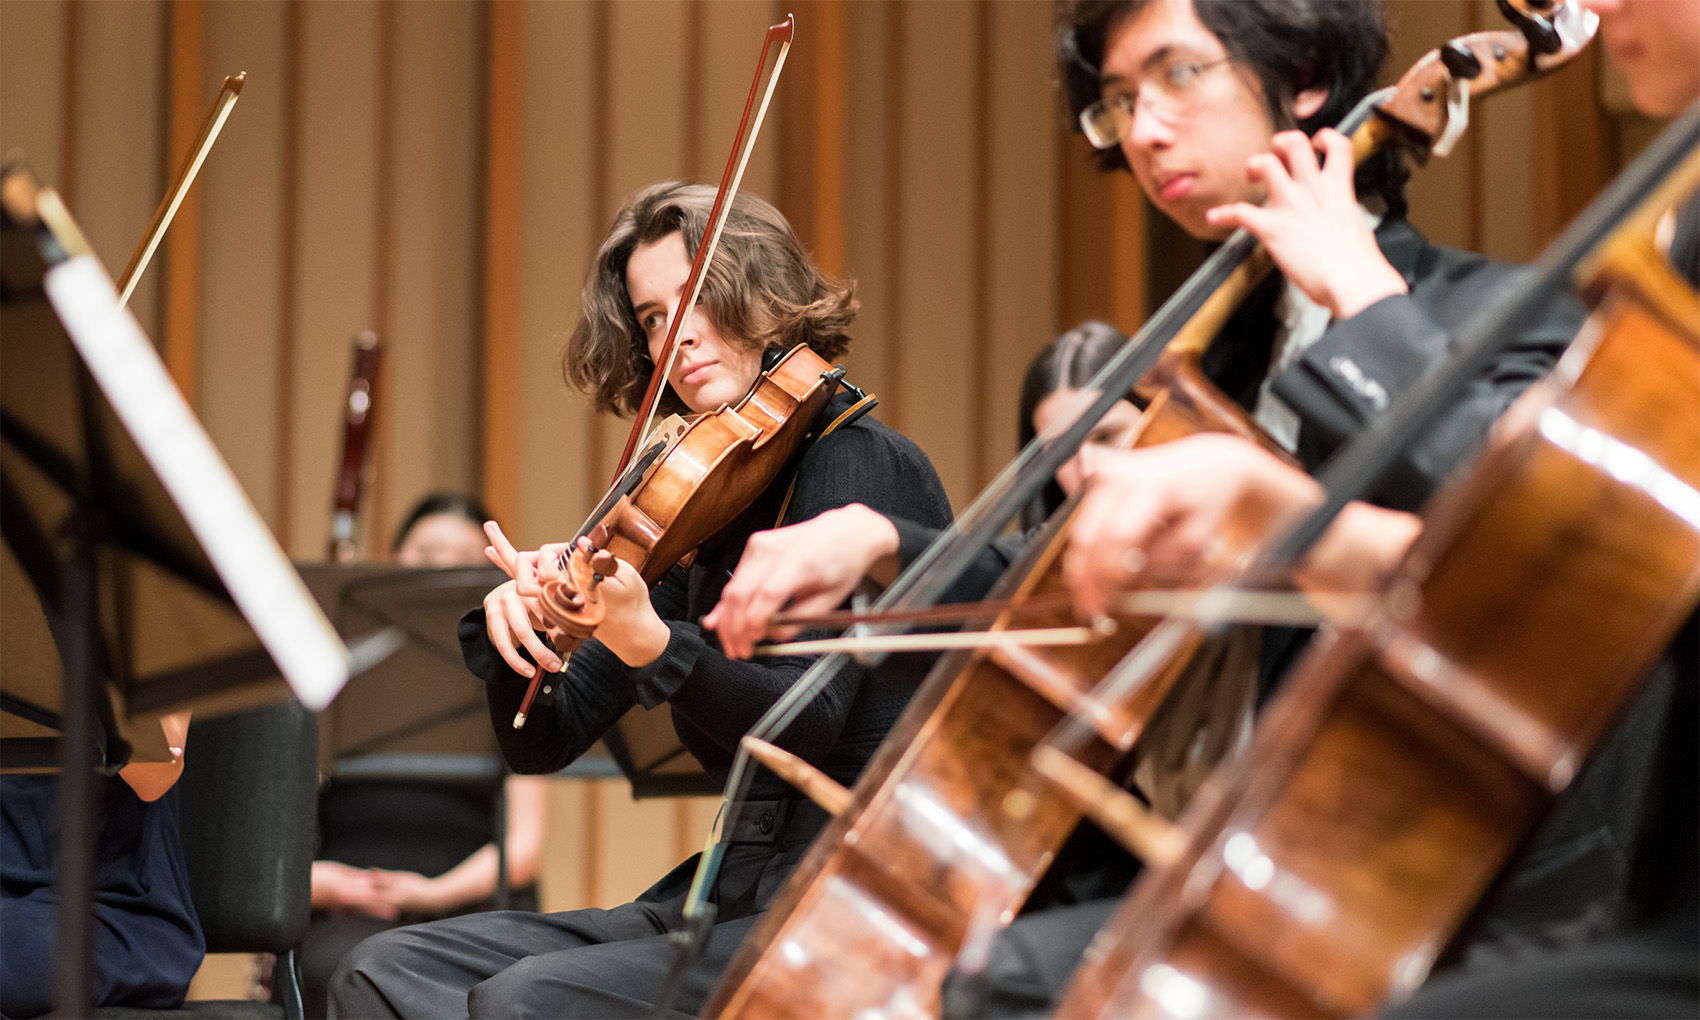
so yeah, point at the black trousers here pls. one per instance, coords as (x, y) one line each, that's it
(1654, 972)
(1030, 962)
(577, 963)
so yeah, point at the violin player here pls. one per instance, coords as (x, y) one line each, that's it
(1218, 107)
(762, 292)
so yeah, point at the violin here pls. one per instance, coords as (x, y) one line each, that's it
(946, 831)
(667, 500)
(1411, 753)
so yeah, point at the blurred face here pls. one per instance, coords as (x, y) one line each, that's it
(1656, 44)
(1188, 156)
(1059, 410)
(708, 371)
(442, 540)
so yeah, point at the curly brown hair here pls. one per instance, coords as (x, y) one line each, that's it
(760, 290)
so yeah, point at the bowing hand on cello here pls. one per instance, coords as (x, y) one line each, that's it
(1170, 514)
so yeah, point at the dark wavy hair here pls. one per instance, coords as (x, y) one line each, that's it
(761, 290)
(1288, 45)
(1065, 363)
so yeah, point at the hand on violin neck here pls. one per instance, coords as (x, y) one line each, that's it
(630, 627)
(512, 621)
(806, 568)
(1312, 224)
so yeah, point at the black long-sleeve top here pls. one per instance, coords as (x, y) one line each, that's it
(715, 700)
(1345, 380)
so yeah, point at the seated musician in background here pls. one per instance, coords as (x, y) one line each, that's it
(1051, 391)
(399, 851)
(1198, 99)
(762, 292)
(147, 939)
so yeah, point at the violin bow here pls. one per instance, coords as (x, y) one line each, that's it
(168, 205)
(730, 179)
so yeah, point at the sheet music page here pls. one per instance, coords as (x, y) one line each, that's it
(240, 547)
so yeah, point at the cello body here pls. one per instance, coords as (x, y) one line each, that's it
(1408, 757)
(946, 831)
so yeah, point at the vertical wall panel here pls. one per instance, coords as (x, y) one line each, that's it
(1504, 133)
(556, 243)
(503, 175)
(431, 371)
(1022, 174)
(120, 138)
(935, 211)
(649, 98)
(180, 258)
(32, 52)
(867, 109)
(242, 208)
(726, 61)
(338, 99)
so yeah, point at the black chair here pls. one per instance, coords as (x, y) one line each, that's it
(249, 794)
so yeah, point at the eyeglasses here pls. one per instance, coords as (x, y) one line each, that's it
(1167, 93)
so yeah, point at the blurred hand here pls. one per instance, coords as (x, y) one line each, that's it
(1175, 514)
(338, 886)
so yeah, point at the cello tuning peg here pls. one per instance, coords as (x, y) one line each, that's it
(1460, 62)
(1542, 36)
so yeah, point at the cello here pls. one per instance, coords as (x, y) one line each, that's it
(1412, 751)
(943, 839)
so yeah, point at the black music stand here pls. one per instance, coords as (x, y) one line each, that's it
(421, 714)
(136, 578)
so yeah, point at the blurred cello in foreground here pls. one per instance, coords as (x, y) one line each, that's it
(1412, 752)
(944, 836)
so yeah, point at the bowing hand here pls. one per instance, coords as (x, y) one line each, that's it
(806, 568)
(1176, 514)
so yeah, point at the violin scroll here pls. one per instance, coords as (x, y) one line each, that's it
(569, 603)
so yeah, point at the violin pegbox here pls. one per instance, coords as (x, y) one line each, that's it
(570, 604)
